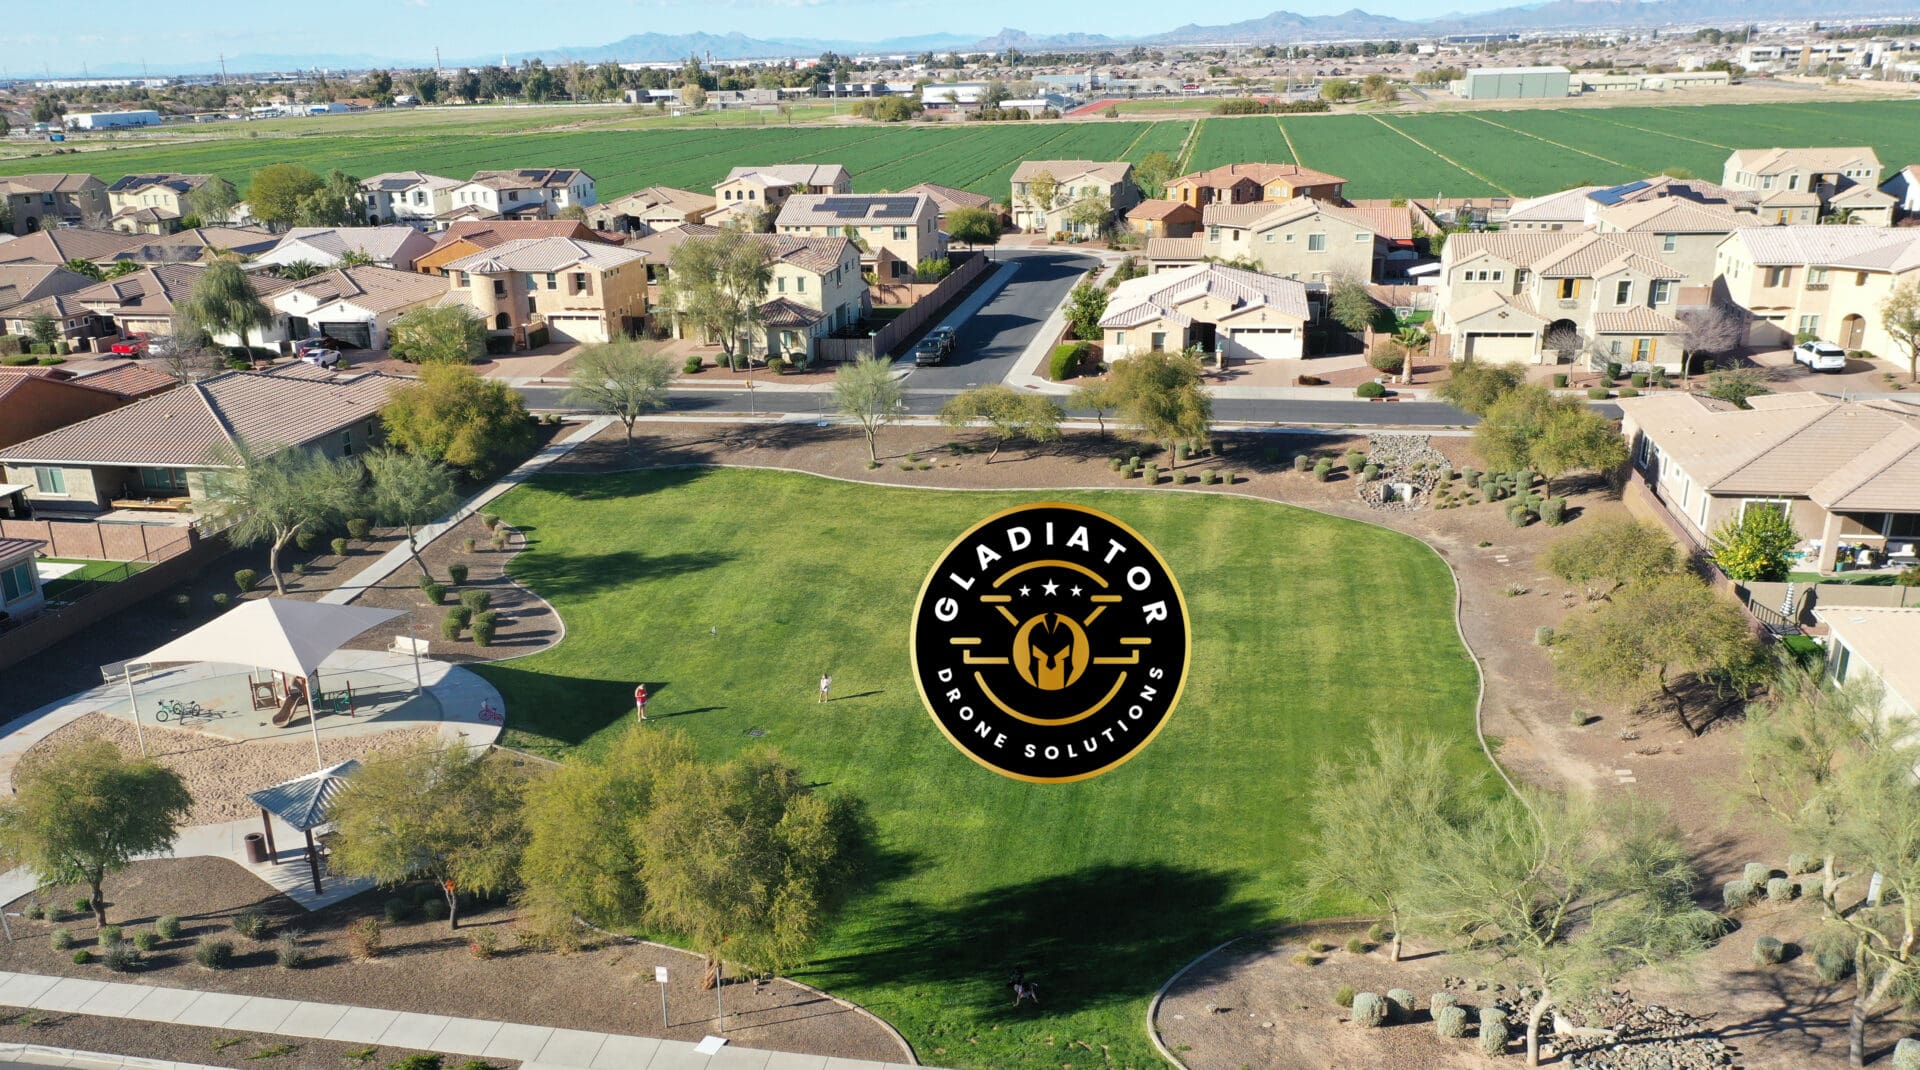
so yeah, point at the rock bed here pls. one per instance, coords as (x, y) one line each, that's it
(1404, 459)
(1649, 1037)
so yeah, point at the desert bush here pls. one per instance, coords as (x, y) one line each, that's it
(1768, 951)
(1553, 512)
(1800, 862)
(467, 544)
(1756, 873)
(1579, 718)
(1302, 462)
(1627, 392)
(1779, 889)
(1319, 947)
(359, 527)
(1323, 471)
(213, 954)
(1735, 894)
(692, 366)
(457, 573)
(1450, 1021)
(306, 541)
(484, 626)
(1369, 389)
(1832, 965)
(168, 927)
(119, 957)
(112, 934)
(1442, 999)
(418, 1061)
(483, 944)
(1226, 477)
(451, 626)
(1305, 958)
(1519, 515)
(1370, 473)
(1355, 459)
(1560, 380)
(1358, 946)
(1906, 1054)
(1493, 1031)
(1343, 995)
(245, 578)
(62, 939)
(397, 911)
(146, 940)
(434, 907)
(363, 939)
(1369, 1010)
(82, 956)
(252, 924)
(35, 911)
(476, 600)
(489, 520)
(339, 547)
(1598, 393)
(1150, 474)
(436, 593)
(1207, 478)
(1471, 477)
(288, 952)
(1543, 635)
(1400, 1004)
(1178, 476)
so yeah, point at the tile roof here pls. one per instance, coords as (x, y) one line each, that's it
(182, 427)
(1263, 173)
(1776, 161)
(486, 232)
(1638, 319)
(529, 178)
(25, 284)
(62, 244)
(147, 215)
(1392, 223)
(61, 183)
(26, 386)
(1661, 187)
(131, 380)
(156, 290)
(811, 209)
(1064, 171)
(1489, 300)
(790, 174)
(1521, 248)
(1566, 206)
(782, 312)
(187, 246)
(1894, 249)
(1586, 254)
(10, 548)
(375, 289)
(1160, 250)
(684, 201)
(1159, 209)
(176, 182)
(544, 254)
(949, 198)
(378, 243)
(1153, 297)
(1672, 215)
(401, 181)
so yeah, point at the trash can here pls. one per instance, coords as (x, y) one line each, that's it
(256, 847)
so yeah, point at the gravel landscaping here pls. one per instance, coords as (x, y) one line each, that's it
(208, 1047)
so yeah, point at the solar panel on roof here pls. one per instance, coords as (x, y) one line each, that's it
(1619, 193)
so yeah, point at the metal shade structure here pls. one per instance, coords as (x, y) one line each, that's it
(303, 803)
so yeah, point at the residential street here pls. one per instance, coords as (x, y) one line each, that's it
(991, 340)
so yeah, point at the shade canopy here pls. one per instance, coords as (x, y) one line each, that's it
(273, 633)
(303, 802)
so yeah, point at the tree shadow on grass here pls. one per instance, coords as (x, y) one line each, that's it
(555, 573)
(565, 710)
(1092, 938)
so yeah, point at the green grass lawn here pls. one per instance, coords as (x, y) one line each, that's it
(728, 592)
(113, 571)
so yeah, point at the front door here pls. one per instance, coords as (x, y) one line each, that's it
(1853, 331)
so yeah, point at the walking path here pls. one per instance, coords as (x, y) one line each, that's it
(534, 1046)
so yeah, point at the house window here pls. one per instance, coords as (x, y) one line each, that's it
(1777, 505)
(346, 443)
(1860, 278)
(1613, 348)
(17, 582)
(1778, 276)
(1662, 292)
(899, 234)
(1569, 289)
(1269, 237)
(1316, 243)
(553, 281)
(1816, 276)
(1810, 324)
(1623, 291)
(169, 481)
(499, 287)
(1643, 349)
(1213, 233)
(800, 284)
(1159, 339)
(579, 282)
(50, 480)
(1289, 239)
(1520, 276)
(1360, 236)
(1669, 242)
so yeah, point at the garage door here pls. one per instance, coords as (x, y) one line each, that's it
(577, 328)
(1501, 348)
(1265, 343)
(352, 335)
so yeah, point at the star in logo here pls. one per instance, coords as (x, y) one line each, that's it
(1050, 587)
(1076, 592)
(1025, 591)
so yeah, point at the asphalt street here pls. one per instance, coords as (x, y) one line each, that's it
(991, 341)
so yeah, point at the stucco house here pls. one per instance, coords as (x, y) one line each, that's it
(1877, 643)
(42, 202)
(1163, 219)
(1209, 308)
(816, 288)
(893, 231)
(1802, 185)
(756, 189)
(1303, 238)
(1074, 181)
(20, 593)
(465, 238)
(528, 193)
(33, 405)
(56, 247)
(652, 209)
(152, 203)
(412, 198)
(1904, 188)
(1250, 183)
(1690, 234)
(1823, 281)
(30, 290)
(389, 247)
(949, 199)
(580, 291)
(144, 302)
(355, 307)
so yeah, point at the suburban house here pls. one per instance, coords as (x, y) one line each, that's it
(1073, 181)
(1564, 210)
(465, 238)
(30, 290)
(1302, 239)
(42, 202)
(759, 188)
(1546, 297)
(1904, 188)
(1571, 209)
(412, 198)
(1209, 308)
(581, 291)
(529, 193)
(20, 594)
(1823, 281)
(388, 247)
(1690, 234)
(1845, 472)
(129, 378)
(1802, 185)
(152, 204)
(893, 231)
(651, 209)
(1875, 642)
(32, 405)
(197, 245)
(1163, 219)
(144, 302)
(1248, 183)
(816, 288)
(155, 453)
(56, 247)
(354, 307)
(948, 199)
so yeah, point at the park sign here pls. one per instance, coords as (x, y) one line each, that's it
(1050, 643)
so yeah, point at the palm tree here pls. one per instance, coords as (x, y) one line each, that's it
(1412, 341)
(224, 300)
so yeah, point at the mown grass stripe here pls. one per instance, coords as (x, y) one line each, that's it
(1288, 138)
(1550, 141)
(1443, 156)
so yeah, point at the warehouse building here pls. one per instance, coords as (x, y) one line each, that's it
(1508, 83)
(109, 120)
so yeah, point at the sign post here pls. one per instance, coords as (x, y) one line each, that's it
(719, 986)
(660, 975)
(640, 700)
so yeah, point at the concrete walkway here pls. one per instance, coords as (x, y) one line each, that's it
(388, 563)
(534, 1046)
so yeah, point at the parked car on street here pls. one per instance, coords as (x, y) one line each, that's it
(131, 347)
(929, 352)
(1820, 356)
(945, 336)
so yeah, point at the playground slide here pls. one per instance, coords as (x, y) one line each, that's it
(295, 693)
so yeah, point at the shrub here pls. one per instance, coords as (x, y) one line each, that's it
(1613, 370)
(1599, 393)
(119, 957)
(1065, 361)
(1799, 862)
(1638, 379)
(1369, 1010)
(168, 927)
(359, 527)
(1178, 476)
(1442, 999)
(489, 520)
(692, 366)
(306, 541)
(1151, 474)
(436, 593)
(484, 627)
(82, 957)
(1493, 1031)
(434, 906)
(1450, 1021)
(1543, 635)
(339, 547)
(1302, 462)
(62, 939)
(1377, 931)
(1400, 1004)
(1305, 958)
(1560, 380)
(1207, 478)
(457, 573)
(1553, 512)
(112, 934)
(1355, 459)
(461, 614)
(182, 605)
(1579, 718)
(1319, 947)
(1344, 995)
(418, 1061)
(1369, 389)
(466, 545)
(245, 578)
(398, 910)
(1519, 515)
(451, 626)
(1358, 946)
(35, 911)
(300, 568)
(484, 944)
(1756, 873)
(1779, 889)
(1832, 965)
(146, 940)
(476, 600)
(288, 952)
(1735, 894)
(1370, 473)
(213, 954)
(1906, 1054)
(1768, 951)
(363, 939)
(1628, 392)
(1323, 471)
(252, 924)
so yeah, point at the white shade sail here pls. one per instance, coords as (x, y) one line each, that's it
(273, 633)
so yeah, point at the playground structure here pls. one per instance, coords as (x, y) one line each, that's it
(285, 693)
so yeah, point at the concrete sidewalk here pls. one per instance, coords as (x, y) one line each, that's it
(534, 1046)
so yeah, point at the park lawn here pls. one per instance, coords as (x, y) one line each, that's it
(89, 570)
(729, 591)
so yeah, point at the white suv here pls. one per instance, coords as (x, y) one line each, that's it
(1820, 356)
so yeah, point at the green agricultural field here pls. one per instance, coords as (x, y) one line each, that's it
(729, 591)
(1522, 153)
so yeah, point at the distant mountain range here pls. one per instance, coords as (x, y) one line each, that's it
(1279, 28)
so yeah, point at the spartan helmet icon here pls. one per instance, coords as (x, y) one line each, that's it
(1050, 651)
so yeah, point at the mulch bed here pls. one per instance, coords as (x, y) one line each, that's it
(192, 1044)
(526, 623)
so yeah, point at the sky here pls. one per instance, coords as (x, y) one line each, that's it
(105, 32)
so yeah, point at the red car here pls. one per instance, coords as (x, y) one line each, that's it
(131, 347)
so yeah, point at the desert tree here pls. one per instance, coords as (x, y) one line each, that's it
(1413, 342)
(1043, 191)
(866, 391)
(1098, 396)
(1707, 330)
(277, 192)
(213, 201)
(1350, 304)
(1005, 413)
(716, 284)
(1614, 552)
(1153, 172)
(973, 226)
(434, 810)
(43, 330)
(1736, 385)
(223, 300)
(1086, 306)
(454, 416)
(1652, 640)
(408, 491)
(1900, 315)
(263, 494)
(1565, 343)
(1757, 545)
(87, 810)
(1530, 427)
(1161, 397)
(1474, 386)
(448, 334)
(627, 378)
(1091, 213)
(186, 353)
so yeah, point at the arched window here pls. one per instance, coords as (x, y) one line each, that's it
(502, 322)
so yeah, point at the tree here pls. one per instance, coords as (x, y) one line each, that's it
(1042, 189)
(1337, 90)
(973, 226)
(458, 418)
(1007, 413)
(1758, 545)
(296, 270)
(1649, 639)
(1160, 396)
(408, 491)
(867, 391)
(1710, 330)
(45, 110)
(1900, 315)
(745, 861)
(213, 200)
(336, 203)
(82, 266)
(268, 495)
(1736, 385)
(1575, 438)
(716, 285)
(1096, 395)
(43, 329)
(223, 300)
(1475, 387)
(1375, 814)
(1086, 306)
(1616, 551)
(1152, 173)
(1091, 212)
(1567, 893)
(277, 191)
(438, 334)
(87, 810)
(1565, 343)
(354, 258)
(434, 810)
(1352, 307)
(626, 378)
(186, 353)
(1412, 342)
(694, 97)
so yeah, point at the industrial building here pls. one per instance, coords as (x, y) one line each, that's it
(111, 120)
(1508, 83)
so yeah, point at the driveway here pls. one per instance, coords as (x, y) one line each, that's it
(990, 341)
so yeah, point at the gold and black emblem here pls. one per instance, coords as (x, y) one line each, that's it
(1050, 643)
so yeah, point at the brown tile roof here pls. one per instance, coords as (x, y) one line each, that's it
(131, 380)
(790, 174)
(1395, 224)
(1672, 215)
(1064, 171)
(26, 285)
(181, 428)
(1160, 209)
(376, 289)
(544, 254)
(684, 201)
(949, 198)
(529, 178)
(1151, 298)
(15, 547)
(64, 183)
(1291, 173)
(1161, 250)
(1776, 161)
(62, 244)
(486, 232)
(809, 210)
(782, 312)
(188, 246)
(1637, 320)
(156, 290)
